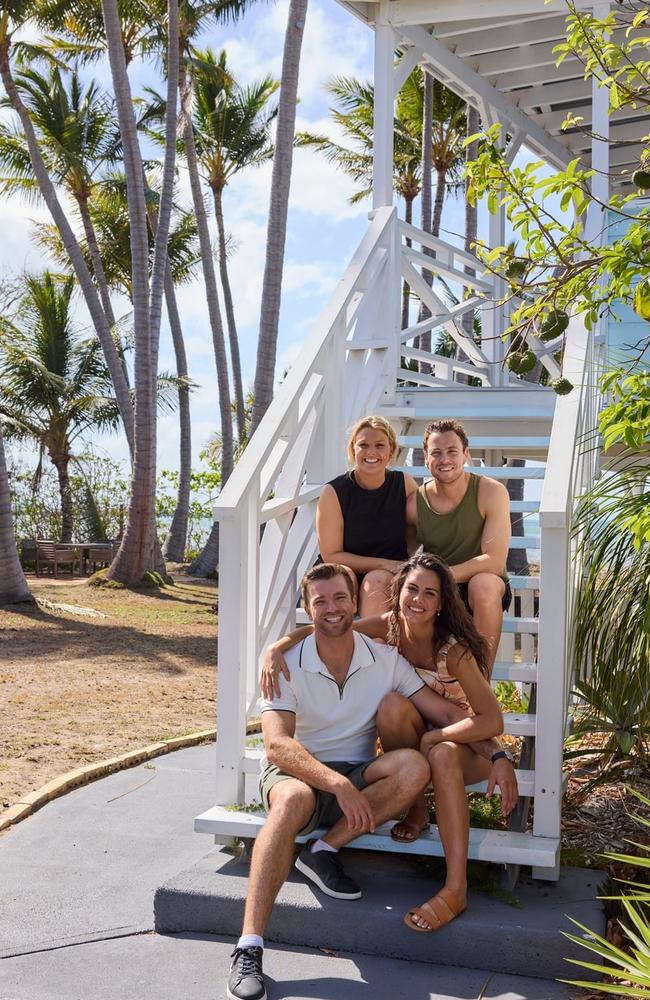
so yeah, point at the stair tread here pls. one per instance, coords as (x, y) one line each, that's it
(505, 443)
(495, 472)
(484, 845)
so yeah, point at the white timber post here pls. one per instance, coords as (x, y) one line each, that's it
(384, 89)
(597, 216)
(237, 644)
(492, 314)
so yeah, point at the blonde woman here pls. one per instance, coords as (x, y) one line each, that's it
(361, 515)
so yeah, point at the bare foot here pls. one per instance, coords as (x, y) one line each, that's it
(414, 823)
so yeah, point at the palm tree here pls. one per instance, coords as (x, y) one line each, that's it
(78, 139)
(15, 13)
(232, 126)
(54, 386)
(109, 214)
(353, 114)
(278, 209)
(13, 585)
(139, 551)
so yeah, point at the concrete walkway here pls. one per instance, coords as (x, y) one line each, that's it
(77, 881)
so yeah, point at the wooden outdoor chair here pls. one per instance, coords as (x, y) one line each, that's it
(49, 556)
(100, 556)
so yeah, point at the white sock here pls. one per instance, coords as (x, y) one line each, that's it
(250, 941)
(320, 845)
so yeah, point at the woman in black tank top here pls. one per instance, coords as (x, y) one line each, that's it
(361, 515)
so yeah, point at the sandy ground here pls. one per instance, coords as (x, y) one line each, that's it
(76, 689)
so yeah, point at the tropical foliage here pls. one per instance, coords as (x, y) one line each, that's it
(628, 971)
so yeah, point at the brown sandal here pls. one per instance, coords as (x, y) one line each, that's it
(409, 831)
(441, 909)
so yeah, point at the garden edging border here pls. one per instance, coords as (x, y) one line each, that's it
(70, 780)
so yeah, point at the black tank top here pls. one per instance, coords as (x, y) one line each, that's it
(374, 521)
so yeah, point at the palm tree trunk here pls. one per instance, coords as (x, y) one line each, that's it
(138, 549)
(160, 262)
(230, 319)
(91, 298)
(95, 257)
(61, 463)
(209, 278)
(176, 541)
(424, 340)
(13, 585)
(441, 188)
(406, 291)
(208, 559)
(277, 228)
(471, 211)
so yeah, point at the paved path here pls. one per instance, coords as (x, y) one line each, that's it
(76, 887)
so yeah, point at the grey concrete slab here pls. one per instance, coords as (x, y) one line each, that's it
(522, 940)
(87, 864)
(151, 967)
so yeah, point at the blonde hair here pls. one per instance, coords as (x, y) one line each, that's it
(376, 424)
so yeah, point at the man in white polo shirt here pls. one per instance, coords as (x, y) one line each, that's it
(321, 768)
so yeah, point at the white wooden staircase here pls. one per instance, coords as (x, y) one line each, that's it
(353, 364)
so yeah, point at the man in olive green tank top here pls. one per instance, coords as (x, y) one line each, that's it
(465, 520)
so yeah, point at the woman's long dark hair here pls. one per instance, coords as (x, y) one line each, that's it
(453, 619)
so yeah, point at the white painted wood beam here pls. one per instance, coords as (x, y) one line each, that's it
(523, 57)
(382, 157)
(535, 75)
(548, 94)
(426, 12)
(497, 38)
(553, 120)
(404, 68)
(536, 138)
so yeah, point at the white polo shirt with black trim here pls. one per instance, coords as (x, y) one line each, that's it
(338, 722)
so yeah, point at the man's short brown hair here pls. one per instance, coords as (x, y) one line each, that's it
(442, 427)
(324, 571)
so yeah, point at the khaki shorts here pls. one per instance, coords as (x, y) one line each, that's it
(327, 811)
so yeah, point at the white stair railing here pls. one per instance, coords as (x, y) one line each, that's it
(571, 470)
(345, 369)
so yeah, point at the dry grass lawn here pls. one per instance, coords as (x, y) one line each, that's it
(76, 689)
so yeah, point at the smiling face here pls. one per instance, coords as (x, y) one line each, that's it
(420, 597)
(331, 606)
(372, 450)
(445, 456)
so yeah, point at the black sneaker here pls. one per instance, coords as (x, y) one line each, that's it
(246, 981)
(325, 870)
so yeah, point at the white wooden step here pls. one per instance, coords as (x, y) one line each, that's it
(524, 582)
(524, 506)
(505, 670)
(524, 542)
(525, 626)
(495, 472)
(518, 724)
(496, 443)
(501, 846)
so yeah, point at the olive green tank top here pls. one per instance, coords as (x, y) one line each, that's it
(456, 536)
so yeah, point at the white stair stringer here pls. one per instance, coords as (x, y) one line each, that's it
(349, 367)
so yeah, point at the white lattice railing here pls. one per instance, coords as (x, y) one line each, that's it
(571, 469)
(345, 369)
(462, 293)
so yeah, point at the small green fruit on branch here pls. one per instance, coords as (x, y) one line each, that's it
(553, 325)
(562, 386)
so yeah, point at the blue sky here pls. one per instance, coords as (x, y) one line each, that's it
(323, 229)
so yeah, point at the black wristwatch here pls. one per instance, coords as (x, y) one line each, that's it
(502, 753)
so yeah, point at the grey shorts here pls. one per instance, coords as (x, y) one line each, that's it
(326, 812)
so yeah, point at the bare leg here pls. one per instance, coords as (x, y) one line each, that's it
(485, 595)
(292, 802)
(452, 767)
(374, 593)
(394, 780)
(399, 724)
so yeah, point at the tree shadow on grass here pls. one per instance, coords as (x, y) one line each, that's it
(97, 639)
